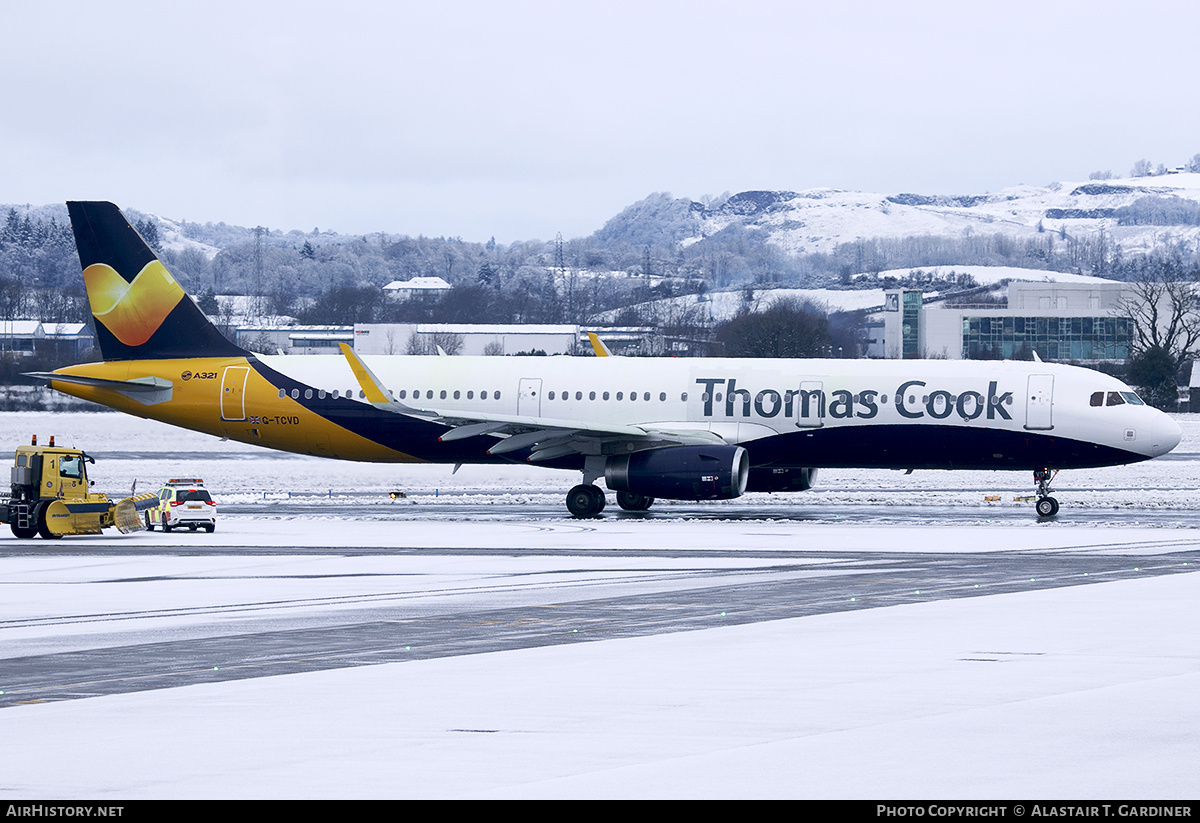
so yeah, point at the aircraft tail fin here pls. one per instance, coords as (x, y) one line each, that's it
(141, 311)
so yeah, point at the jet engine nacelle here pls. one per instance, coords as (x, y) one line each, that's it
(681, 472)
(767, 479)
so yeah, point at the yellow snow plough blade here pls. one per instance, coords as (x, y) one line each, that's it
(126, 514)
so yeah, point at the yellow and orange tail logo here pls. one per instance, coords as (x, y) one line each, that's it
(132, 311)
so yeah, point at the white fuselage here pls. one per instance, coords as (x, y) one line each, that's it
(748, 400)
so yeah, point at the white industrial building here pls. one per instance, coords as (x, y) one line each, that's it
(425, 338)
(394, 338)
(272, 339)
(26, 337)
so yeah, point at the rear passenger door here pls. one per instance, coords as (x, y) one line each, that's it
(233, 392)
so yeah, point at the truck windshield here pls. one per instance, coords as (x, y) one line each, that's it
(71, 466)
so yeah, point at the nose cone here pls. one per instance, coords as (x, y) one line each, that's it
(1165, 435)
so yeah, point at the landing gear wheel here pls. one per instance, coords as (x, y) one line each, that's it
(1047, 507)
(631, 502)
(23, 532)
(42, 528)
(585, 500)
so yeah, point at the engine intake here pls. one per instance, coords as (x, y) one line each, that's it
(681, 472)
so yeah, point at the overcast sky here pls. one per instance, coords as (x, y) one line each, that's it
(520, 120)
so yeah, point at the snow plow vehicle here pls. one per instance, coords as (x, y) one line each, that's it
(51, 496)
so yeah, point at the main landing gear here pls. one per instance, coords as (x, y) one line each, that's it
(631, 502)
(1046, 505)
(587, 500)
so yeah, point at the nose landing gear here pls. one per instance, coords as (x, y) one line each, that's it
(1046, 505)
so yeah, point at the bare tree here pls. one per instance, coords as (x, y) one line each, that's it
(426, 344)
(448, 342)
(1163, 311)
(789, 328)
(1141, 168)
(1164, 328)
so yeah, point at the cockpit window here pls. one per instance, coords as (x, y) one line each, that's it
(1116, 398)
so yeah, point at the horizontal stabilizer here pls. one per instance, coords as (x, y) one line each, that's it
(148, 391)
(137, 384)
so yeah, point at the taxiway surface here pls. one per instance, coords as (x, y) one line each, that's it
(288, 594)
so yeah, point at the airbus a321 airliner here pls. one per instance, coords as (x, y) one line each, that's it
(682, 429)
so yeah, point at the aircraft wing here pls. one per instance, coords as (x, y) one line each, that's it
(546, 437)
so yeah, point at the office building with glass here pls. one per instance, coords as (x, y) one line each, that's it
(1078, 321)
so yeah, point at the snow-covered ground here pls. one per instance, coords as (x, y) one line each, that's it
(129, 449)
(1084, 692)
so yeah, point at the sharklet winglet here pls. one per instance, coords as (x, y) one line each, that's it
(376, 393)
(598, 346)
(372, 387)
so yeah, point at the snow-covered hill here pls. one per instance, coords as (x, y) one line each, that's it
(819, 220)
